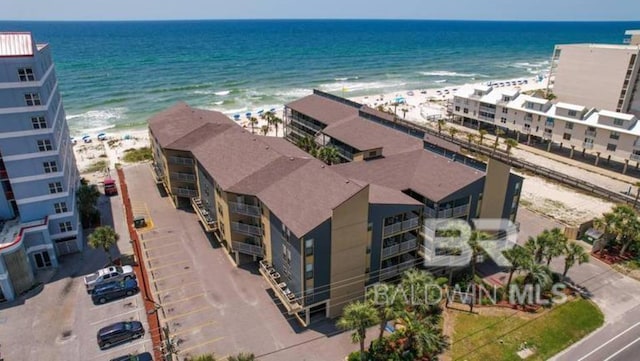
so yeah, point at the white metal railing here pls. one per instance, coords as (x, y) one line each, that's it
(247, 248)
(586, 145)
(402, 226)
(246, 209)
(185, 177)
(590, 133)
(390, 251)
(409, 244)
(486, 118)
(636, 144)
(635, 157)
(281, 290)
(460, 210)
(180, 160)
(246, 229)
(429, 212)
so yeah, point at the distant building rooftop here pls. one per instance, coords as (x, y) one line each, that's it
(16, 44)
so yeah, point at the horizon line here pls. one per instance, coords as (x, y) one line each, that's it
(327, 19)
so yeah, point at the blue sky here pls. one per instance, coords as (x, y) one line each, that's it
(579, 10)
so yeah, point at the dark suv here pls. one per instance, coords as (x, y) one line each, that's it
(114, 290)
(119, 332)
(145, 356)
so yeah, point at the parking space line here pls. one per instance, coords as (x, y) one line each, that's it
(120, 302)
(163, 246)
(119, 349)
(159, 257)
(187, 313)
(173, 275)
(116, 316)
(182, 300)
(201, 344)
(200, 326)
(152, 239)
(168, 265)
(175, 288)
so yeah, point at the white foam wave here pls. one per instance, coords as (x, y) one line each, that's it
(451, 73)
(347, 78)
(222, 92)
(219, 102)
(354, 86)
(204, 92)
(440, 81)
(293, 93)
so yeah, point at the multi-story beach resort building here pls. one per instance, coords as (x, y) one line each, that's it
(322, 233)
(604, 133)
(602, 76)
(38, 217)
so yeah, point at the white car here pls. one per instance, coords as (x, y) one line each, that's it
(109, 274)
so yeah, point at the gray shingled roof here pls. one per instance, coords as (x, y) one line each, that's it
(383, 195)
(306, 197)
(431, 175)
(323, 109)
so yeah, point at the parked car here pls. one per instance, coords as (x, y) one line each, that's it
(114, 290)
(131, 357)
(119, 332)
(109, 274)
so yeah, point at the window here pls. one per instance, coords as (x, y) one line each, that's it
(505, 110)
(614, 135)
(527, 126)
(42, 259)
(38, 123)
(611, 147)
(572, 113)
(308, 247)
(568, 125)
(517, 187)
(308, 271)
(465, 110)
(65, 227)
(60, 207)
(26, 74)
(503, 120)
(55, 187)
(566, 136)
(618, 122)
(505, 98)
(369, 227)
(32, 99)
(457, 108)
(50, 167)
(44, 145)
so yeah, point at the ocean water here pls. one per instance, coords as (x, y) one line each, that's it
(117, 74)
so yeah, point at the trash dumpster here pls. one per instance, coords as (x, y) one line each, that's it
(139, 222)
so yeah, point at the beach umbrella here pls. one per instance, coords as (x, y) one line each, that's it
(102, 136)
(236, 116)
(272, 110)
(260, 111)
(399, 100)
(248, 114)
(86, 138)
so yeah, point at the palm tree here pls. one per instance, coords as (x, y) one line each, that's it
(510, 143)
(358, 316)
(441, 123)
(404, 113)
(476, 249)
(87, 199)
(423, 339)
(538, 246)
(452, 132)
(418, 286)
(276, 121)
(537, 274)
(242, 357)
(519, 258)
(329, 155)
(635, 201)
(388, 305)
(623, 223)
(482, 134)
(573, 253)
(499, 133)
(308, 145)
(205, 357)
(104, 237)
(264, 129)
(470, 138)
(253, 121)
(556, 244)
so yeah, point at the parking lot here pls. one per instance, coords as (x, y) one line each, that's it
(60, 322)
(208, 303)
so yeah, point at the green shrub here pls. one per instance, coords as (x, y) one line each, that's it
(98, 166)
(133, 155)
(441, 281)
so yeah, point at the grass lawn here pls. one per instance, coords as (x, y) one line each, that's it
(499, 336)
(133, 155)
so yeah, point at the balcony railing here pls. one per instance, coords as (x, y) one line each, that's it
(487, 109)
(288, 298)
(248, 248)
(528, 119)
(526, 129)
(429, 212)
(186, 192)
(180, 160)
(447, 213)
(636, 144)
(487, 119)
(634, 157)
(590, 133)
(549, 124)
(391, 271)
(245, 209)
(403, 226)
(307, 124)
(183, 177)
(207, 220)
(246, 229)
(460, 210)
(586, 145)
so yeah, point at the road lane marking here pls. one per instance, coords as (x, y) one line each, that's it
(119, 348)
(622, 349)
(608, 342)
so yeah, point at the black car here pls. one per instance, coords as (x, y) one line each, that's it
(114, 290)
(139, 357)
(119, 332)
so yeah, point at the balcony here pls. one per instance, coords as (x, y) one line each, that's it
(181, 160)
(635, 157)
(429, 212)
(586, 145)
(549, 125)
(245, 209)
(183, 177)
(526, 129)
(410, 243)
(392, 271)
(204, 215)
(486, 118)
(158, 174)
(636, 144)
(403, 226)
(590, 133)
(528, 119)
(246, 229)
(186, 192)
(314, 127)
(247, 248)
(288, 298)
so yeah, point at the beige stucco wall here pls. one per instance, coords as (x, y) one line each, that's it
(349, 239)
(495, 186)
